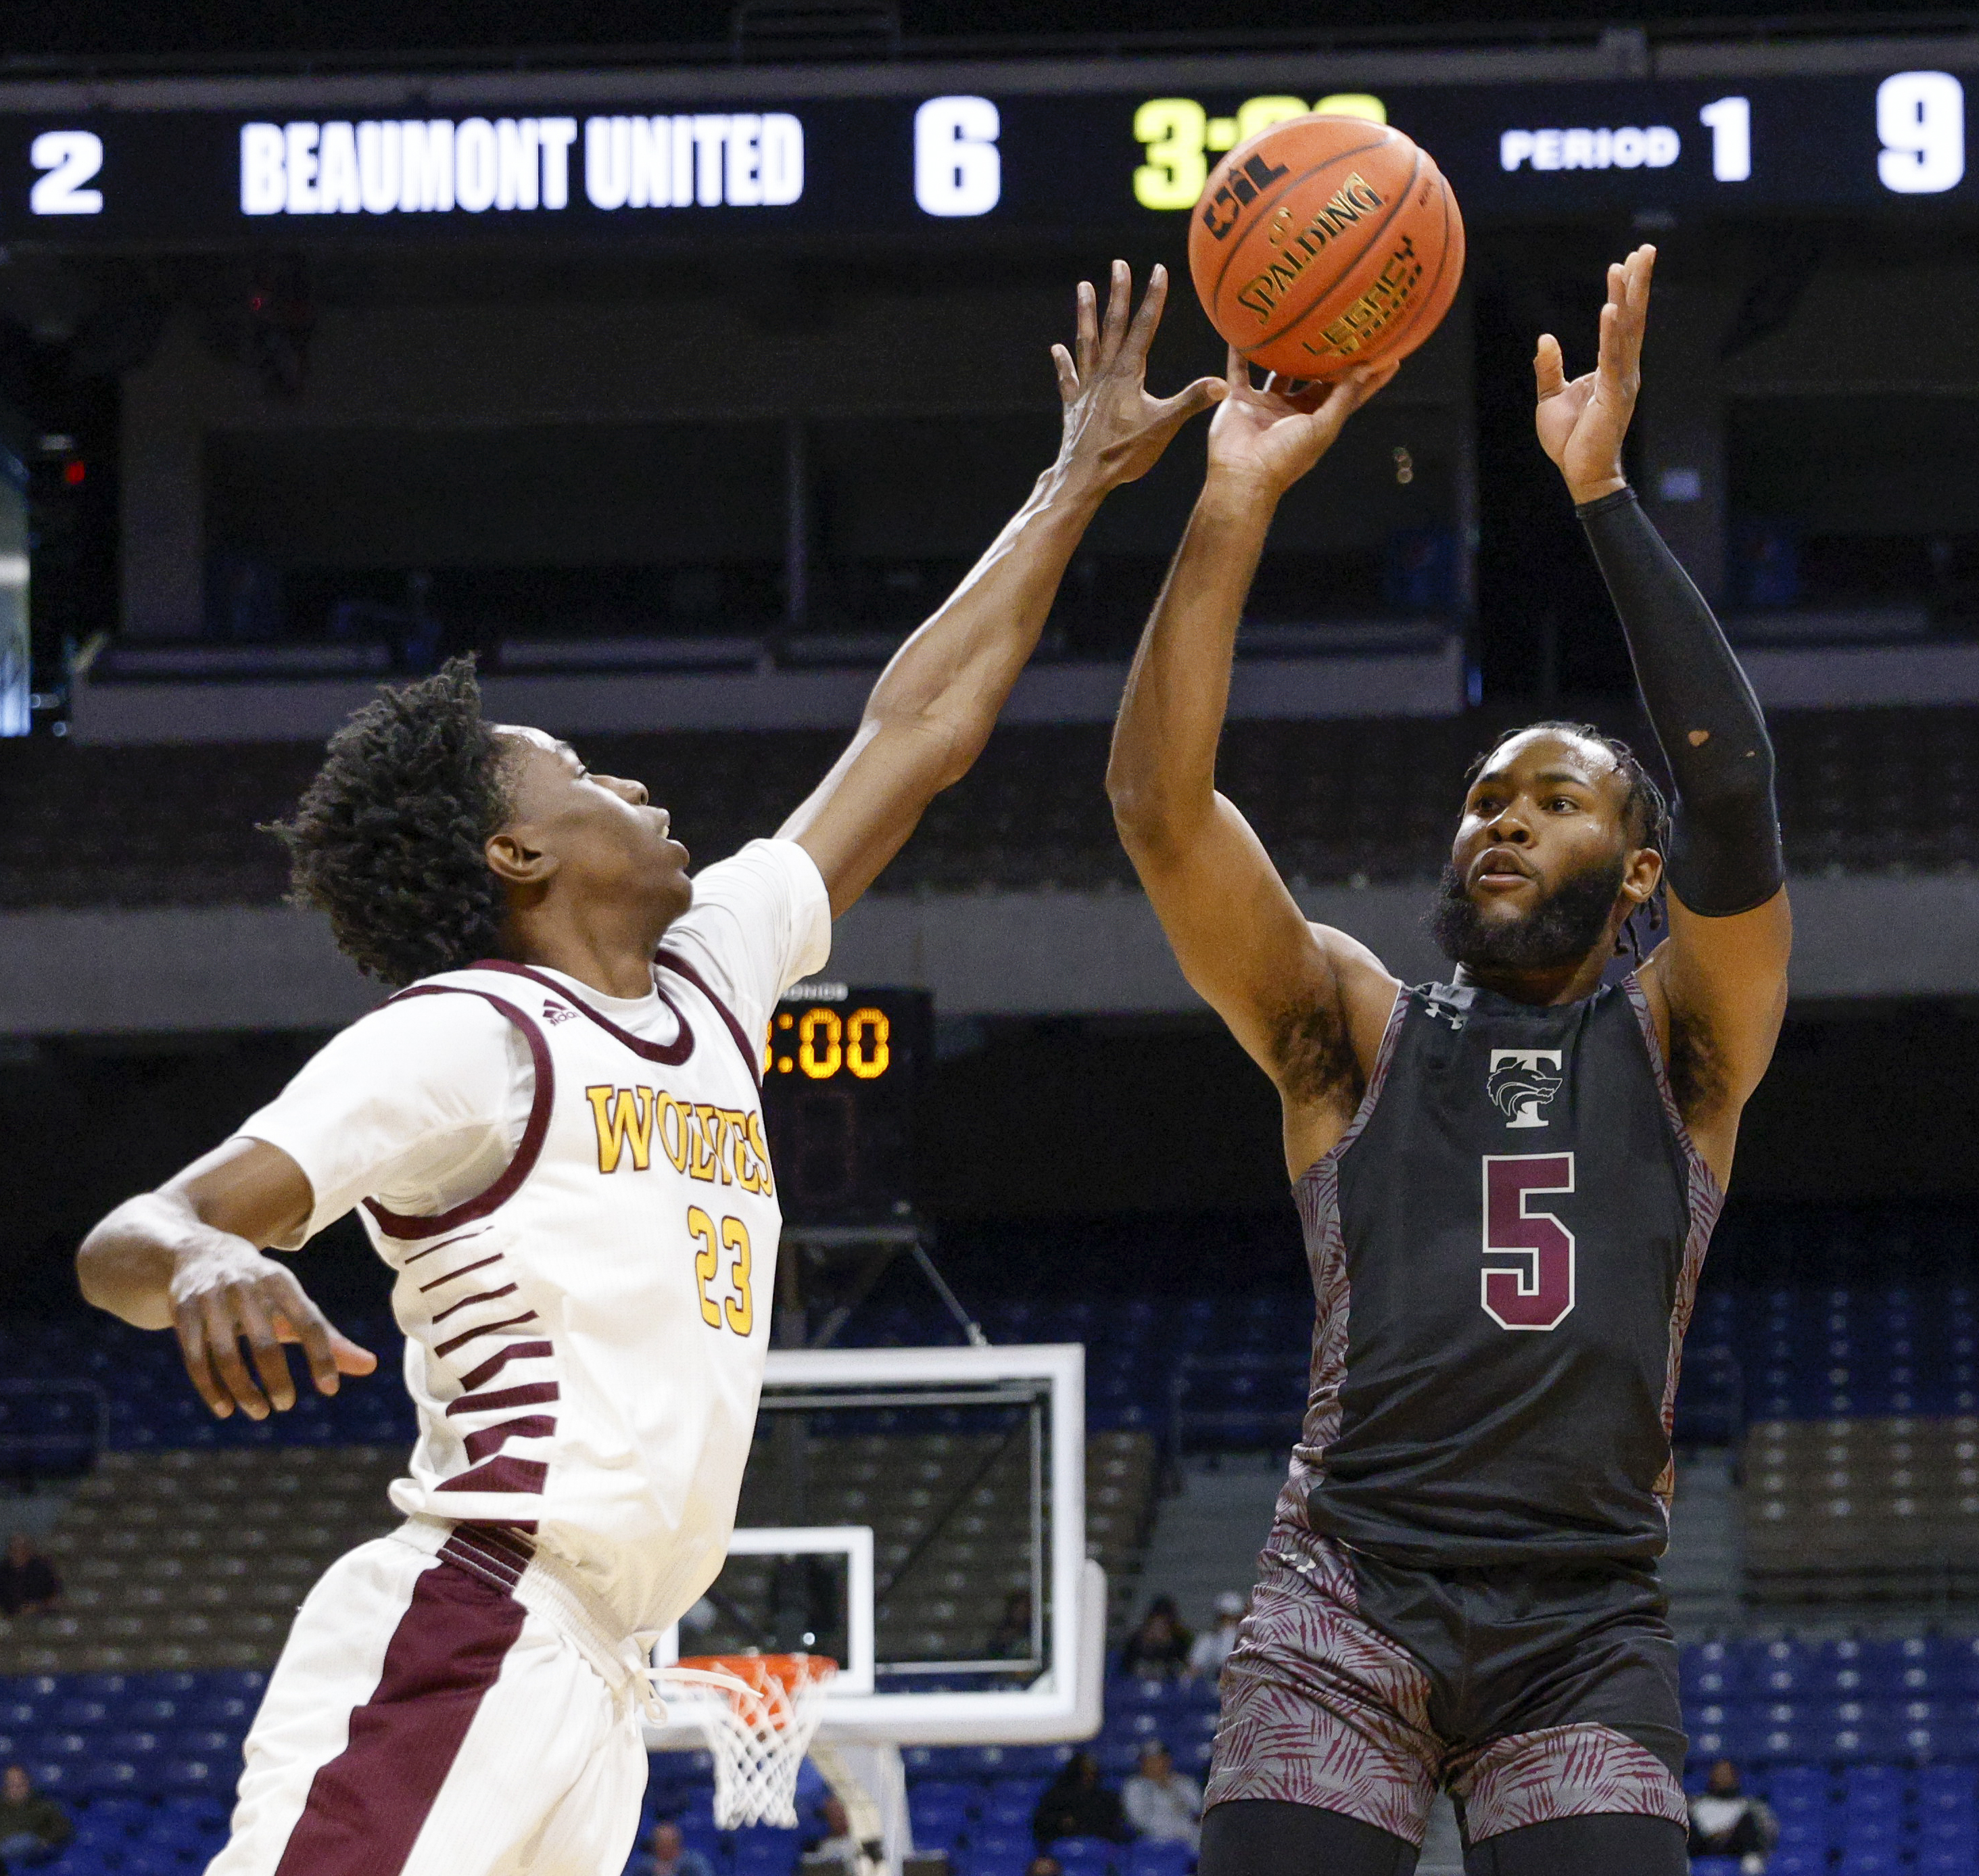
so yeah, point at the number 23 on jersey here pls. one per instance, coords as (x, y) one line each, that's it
(736, 1311)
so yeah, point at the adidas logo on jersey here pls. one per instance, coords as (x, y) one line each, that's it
(557, 1013)
(1523, 1081)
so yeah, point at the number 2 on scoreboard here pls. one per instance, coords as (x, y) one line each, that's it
(1529, 1275)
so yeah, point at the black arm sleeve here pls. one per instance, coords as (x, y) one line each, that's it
(1724, 853)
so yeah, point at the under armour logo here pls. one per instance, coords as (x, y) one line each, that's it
(1451, 1002)
(557, 1013)
(1521, 1081)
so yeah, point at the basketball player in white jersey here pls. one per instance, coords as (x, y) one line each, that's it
(553, 1136)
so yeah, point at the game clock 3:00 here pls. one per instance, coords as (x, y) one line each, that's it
(821, 1043)
(1180, 139)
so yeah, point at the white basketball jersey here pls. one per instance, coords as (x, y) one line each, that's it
(584, 1340)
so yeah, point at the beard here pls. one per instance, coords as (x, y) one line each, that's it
(1561, 930)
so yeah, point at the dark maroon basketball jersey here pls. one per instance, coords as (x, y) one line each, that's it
(1505, 1247)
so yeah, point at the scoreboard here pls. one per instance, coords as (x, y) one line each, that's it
(658, 167)
(843, 1069)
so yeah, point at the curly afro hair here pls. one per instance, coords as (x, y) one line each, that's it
(387, 840)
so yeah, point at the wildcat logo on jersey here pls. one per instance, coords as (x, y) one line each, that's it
(1521, 1081)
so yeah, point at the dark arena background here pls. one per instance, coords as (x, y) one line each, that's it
(681, 450)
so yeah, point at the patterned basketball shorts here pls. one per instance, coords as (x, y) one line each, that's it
(1529, 1694)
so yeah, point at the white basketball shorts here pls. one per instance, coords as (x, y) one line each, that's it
(422, 1722)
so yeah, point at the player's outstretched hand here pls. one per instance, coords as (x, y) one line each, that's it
(1115, 432)
(224, 1292)
(1581, 425)
(1263, 441)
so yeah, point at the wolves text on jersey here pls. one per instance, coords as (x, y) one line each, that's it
(717, 1145)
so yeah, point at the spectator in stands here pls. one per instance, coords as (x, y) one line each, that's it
(1011, 1638)
(1076, 1804)
(1212, 1646)
(32, 1828)
(1161, 1804)
(1725, 1822)
(1159, 1647)
(28, 1583)
(667, 1855)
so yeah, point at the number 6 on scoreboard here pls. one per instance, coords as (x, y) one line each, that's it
(1535, 1289)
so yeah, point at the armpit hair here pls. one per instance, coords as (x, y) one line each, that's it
(1314, 1053)
(1697, 1072)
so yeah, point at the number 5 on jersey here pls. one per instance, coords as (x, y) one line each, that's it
(739, 1310)
(1528, 1280)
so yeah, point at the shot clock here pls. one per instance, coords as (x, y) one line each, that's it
(842, 1074)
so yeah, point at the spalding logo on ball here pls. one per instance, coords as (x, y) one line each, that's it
(1326, 243)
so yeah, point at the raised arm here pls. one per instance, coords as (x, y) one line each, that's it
(1307, 1002)
(1719, 984)
(936, 702)
(190, 1257)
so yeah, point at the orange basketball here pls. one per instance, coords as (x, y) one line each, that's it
(1325, 243)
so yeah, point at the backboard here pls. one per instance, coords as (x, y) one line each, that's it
(918, 1514)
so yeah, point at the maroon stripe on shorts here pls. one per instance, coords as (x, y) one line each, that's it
(499, 1552)
(367, 1806)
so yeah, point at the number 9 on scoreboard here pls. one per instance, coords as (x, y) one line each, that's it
(1920, 123)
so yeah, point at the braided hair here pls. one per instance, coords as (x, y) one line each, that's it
(387, 840)
(1644, 811)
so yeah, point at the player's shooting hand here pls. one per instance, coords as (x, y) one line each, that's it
(224, 1292)
(1115, 432)
(1581, 425)
(1261, 442)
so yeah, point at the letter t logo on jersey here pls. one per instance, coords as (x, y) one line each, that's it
(1521, 1081)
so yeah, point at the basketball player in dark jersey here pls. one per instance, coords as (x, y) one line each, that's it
(1507, 1183)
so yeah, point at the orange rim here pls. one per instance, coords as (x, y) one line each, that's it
(791, 1672)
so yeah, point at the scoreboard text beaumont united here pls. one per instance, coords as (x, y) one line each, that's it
(169, 177)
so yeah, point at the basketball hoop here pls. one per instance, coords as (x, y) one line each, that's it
(758, 1714)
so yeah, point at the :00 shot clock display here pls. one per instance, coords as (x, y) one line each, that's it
(842, 1076)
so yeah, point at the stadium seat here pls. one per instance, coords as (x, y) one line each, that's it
(1086, 1856)
(1002, 1845)
(190, 1777)
(1009, 1808)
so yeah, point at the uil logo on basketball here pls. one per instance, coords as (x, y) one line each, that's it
(1521, 1081)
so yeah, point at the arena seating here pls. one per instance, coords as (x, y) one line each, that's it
(191, 1558)
(1855, 1510)
(182, 1556)
(197, 1558)
(1866, 791)
(147, 1762)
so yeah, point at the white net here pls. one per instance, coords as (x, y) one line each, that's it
(758, 1714)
